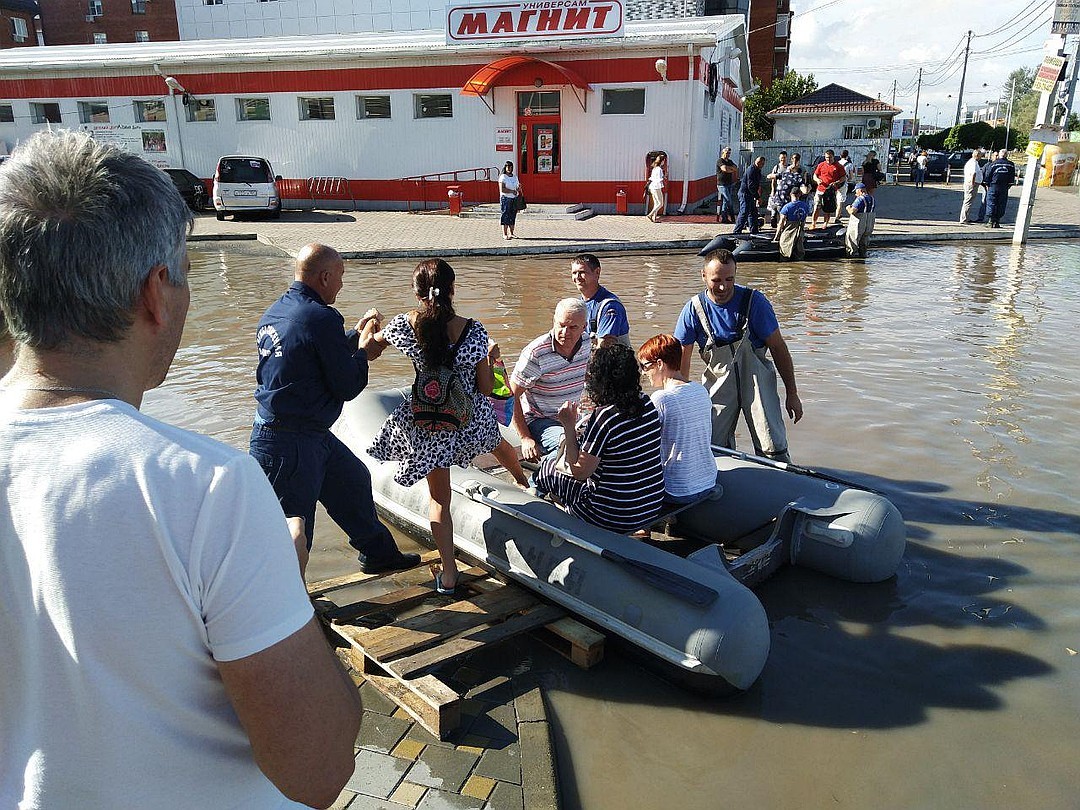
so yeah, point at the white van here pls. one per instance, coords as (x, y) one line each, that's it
(243, 183)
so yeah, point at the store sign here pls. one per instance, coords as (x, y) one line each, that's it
(1049, 74)
(504, 139)
(534, 19)
(1066, 17)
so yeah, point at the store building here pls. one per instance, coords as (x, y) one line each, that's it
(388, 117)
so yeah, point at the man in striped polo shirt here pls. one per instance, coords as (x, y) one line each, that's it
(549, 372)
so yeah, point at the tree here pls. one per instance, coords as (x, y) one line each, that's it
(1073, 124)
(969, 136)
(933, 140)
(792, 86)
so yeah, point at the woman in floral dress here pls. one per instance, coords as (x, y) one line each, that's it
(428, 335)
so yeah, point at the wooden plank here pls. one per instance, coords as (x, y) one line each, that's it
(396, 600)
(583, 645)
(434, 625)
(537, 617)
(323, 586)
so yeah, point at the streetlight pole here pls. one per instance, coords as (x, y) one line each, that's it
(1008, 116)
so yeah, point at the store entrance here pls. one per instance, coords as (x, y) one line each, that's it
(540, 145)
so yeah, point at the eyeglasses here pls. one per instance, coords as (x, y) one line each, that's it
(646, 366)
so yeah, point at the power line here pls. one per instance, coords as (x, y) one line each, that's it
(1010, 21)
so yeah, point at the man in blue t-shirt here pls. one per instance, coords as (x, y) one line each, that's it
(734, 327)
(607, 322)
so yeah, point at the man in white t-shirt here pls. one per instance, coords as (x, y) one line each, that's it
(973, 180)
(159, 648)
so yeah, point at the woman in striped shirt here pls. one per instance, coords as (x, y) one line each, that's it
(610, 473)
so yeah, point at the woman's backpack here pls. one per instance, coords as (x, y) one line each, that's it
(439, 399)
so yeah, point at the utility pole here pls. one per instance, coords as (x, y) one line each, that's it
(894, 92)
(963, 75)
(1069, 91)
(1031, 172)
(915, 123)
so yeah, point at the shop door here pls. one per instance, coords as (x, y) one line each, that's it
(540, 145)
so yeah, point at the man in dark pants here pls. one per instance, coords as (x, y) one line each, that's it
(749, 193)
(999, 176)
(309, 367)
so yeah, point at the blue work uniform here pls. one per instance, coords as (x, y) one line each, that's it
(998, 176)
(749, 193)
(309, 366)
(607, 316)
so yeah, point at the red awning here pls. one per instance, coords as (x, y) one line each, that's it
(488, 76)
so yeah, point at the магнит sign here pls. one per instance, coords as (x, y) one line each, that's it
(534, 19)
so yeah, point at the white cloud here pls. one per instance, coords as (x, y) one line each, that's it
(867, 44)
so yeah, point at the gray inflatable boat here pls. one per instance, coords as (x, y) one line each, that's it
(682, 596)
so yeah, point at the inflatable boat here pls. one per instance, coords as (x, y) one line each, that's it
(823, 243)
(683, 594)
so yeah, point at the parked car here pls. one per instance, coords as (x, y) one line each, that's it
(243, 184)
(937, 167)
(958, 159)
(191, 188)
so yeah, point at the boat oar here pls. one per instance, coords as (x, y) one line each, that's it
(789, 467)
(660, 578)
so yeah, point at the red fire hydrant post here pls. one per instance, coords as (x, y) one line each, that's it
(620, 201)
(454, 193)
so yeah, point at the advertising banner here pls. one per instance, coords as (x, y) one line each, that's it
(504, 139)
(533, 19)
(150, 144)
(1048, 73)
(1066, 17)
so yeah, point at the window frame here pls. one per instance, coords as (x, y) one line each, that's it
(99, 38)
(853, 132)
(18, 35)
(309, 104)
(7, 113)
(86, 113)
(620, 91)
(94, 9)
(141, 105)
(138, 6)
(418, 102)
(194, 105)
(38, 112)
(242, 104)
(144, 38)
(361, 107)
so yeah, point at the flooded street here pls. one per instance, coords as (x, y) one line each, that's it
(941, 375)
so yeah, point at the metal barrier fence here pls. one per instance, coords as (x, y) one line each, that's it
(423, 190)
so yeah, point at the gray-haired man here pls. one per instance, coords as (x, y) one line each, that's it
(159, 646)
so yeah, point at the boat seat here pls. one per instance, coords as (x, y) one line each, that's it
(669, 510)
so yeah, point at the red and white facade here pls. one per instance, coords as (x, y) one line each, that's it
(577, 115)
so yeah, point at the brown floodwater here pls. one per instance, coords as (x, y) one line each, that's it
(943, 376)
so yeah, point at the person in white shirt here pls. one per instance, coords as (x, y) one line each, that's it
(685, 410)
(973, 179)
(159, 646)
(509, 192)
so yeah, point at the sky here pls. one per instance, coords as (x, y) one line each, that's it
(866, 44)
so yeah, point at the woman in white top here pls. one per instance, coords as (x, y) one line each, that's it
(686, 418)
(509, 191)
(656, 187)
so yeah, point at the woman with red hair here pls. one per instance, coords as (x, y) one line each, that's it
(685, 410)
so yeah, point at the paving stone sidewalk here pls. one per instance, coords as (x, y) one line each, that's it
(500, 758)
(905, 214)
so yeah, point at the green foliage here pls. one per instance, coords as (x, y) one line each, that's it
(969, 136)
(933, 140)
(1018, 83)
(756, 127)
(1073, 124)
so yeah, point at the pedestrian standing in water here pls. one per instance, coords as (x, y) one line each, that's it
(451, 353)
(509, 192)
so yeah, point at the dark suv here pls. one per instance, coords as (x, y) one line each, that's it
(191, 188)
(937, 166)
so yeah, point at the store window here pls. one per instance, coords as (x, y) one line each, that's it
(317, 109)
(623, 101)
(373, 106)
(253, 109)
(94, 112)
(149, 111)
(537, 102)
(45, 112)
(433, 106)
(202, 109)
(7, 114)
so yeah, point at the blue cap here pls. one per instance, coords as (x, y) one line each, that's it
(860, 185)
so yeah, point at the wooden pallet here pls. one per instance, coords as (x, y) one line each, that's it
(396, 652)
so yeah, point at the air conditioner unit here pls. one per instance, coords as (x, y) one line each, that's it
(90, 18)
(873, 123)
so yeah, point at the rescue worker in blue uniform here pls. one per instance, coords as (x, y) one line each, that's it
(734, 327)
(309, 366)
(998, 176)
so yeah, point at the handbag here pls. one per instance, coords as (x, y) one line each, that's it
(501, 396)
(519, 201)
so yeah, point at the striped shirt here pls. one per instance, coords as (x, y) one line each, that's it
(548, 378)
(627, 489)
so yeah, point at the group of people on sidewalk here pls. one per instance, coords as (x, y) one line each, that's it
(994, 179)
